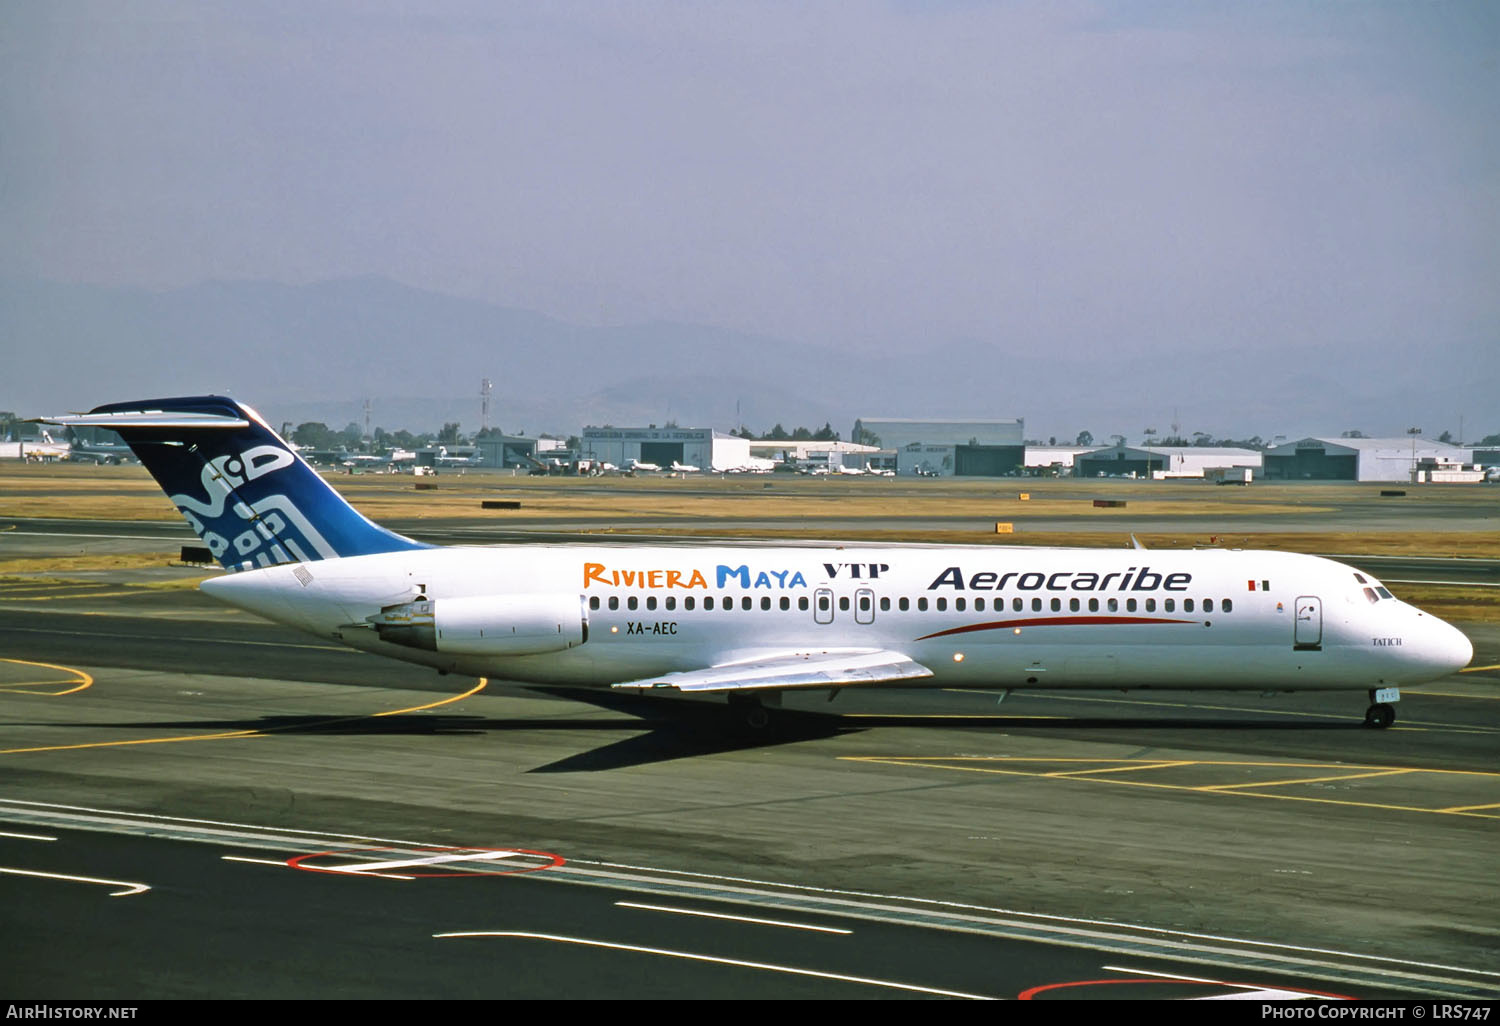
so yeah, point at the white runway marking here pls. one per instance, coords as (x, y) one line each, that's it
(741, 963)
(258, 862)
(737, 919)
(130, 887)
(471, 856)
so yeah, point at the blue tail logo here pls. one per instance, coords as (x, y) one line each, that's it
(252, 500)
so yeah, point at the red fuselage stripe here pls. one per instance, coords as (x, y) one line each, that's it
(1053, 621)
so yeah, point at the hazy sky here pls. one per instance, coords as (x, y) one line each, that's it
(1132, 177)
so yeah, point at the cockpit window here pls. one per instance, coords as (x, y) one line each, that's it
(1370, 594)
(1360, 578)
(1384, 593)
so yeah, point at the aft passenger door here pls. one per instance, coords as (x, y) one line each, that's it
(1307, 634)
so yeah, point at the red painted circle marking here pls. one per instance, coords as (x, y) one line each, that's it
(297, 862)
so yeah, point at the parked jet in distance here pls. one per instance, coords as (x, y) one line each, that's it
(684, 468)
(637, 465)
(753, 622)
(83, 451)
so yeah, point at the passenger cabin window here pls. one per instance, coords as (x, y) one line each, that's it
(689, 602)
(1169, 605)
(1130, 605)
(942, 605)
(746, 602)
(786, 603)
(1151, 605)
(650, 601)
(1208, 605)
(671, 602)
(593, 601)
(959, 604)
(614, 602)
(1036, 605)
(922, 604)
(708, 601)
(765, 602)
(1114, 605)
(1073, 605)
(1187, 605)
(802, 603)
(1057, 605)
(1093, 605)
(885, 604)
(903, 603)
(1016, 604)
(1228, 606)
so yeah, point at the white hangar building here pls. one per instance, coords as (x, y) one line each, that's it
(704, 448)
(1357, 459)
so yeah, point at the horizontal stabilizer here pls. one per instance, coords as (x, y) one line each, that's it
(126, 420)
(793, 670)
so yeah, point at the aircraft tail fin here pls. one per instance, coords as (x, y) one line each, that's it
(246, 493)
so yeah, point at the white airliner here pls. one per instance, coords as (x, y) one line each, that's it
(684, 468)
(634, 465)
(754, 622)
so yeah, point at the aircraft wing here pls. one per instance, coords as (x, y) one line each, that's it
(792, 670)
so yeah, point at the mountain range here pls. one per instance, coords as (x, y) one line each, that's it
(319, 351)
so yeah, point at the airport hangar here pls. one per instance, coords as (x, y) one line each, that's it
(1163, 461)
(948, 448)
(1358, 459)
(833, 455)
(695, 447)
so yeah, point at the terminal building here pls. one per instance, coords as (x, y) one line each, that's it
(704, 448)
(948, 448)
(1358, 459)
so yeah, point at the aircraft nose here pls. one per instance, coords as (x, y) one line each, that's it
(1448, 647)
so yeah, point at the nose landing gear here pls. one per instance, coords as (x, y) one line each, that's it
(1382, 713)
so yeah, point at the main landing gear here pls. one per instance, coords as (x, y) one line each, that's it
(749, 713)
(1382, 713)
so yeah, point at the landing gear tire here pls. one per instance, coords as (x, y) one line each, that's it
(1380, 715)
(748, 714)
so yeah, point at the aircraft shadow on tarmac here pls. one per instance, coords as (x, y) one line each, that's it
(665, 729)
